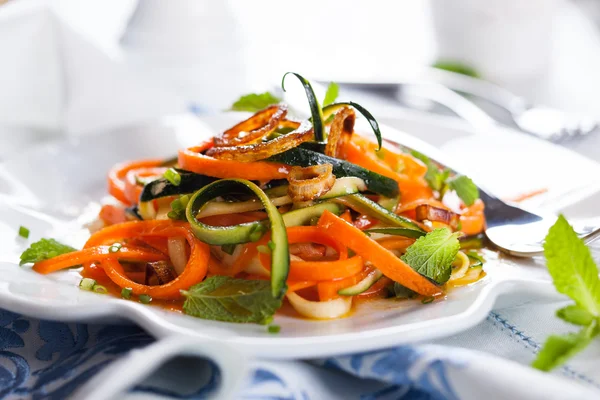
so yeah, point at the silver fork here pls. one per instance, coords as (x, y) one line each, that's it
(517, 231)
(544, 122)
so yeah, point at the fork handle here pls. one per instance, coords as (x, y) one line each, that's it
(486, 90)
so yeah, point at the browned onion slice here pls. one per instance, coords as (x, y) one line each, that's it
(431, 213)
(260, 151)
(340, 132)
(159, 273)
(310, 182)
(254, 128)
(289, 123)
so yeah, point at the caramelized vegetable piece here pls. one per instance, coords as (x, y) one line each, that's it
(159, 273)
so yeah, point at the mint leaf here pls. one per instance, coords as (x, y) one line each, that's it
(465, 189)
(575, 315)
(44, 249)
(436, 178)
(559, 349)
(255, 102)
(432, 255)
(223, 298)
(332, 93)
(571, 266)
(457, 67)
(440, 180)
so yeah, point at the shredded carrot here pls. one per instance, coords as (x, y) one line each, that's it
(391, 266)
(97, 253)
(316, 270)
(193, 273)
(111, 214)
(193, 160)
(395, 243)
(346, 216)
(472, 220)
(116, 177)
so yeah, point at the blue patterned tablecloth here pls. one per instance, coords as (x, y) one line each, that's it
(51, 360)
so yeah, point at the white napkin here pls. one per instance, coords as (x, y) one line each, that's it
(56, 82)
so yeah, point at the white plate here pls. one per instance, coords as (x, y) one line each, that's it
(54, 189)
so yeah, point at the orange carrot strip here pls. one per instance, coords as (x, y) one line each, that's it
(294, 286)
(195, 270)
(244, 258)
(391, 266)
(395, 243)
(92, 254)
(472, 221)
(112, 214)
(133, 190)
(116, 177)
(316, 270)
(346, 216)
(193, 160)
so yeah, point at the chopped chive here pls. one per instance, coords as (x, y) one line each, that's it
(145, 299)
(100, 289)
(271, 245)
(126, 293)
(176, 205)
(263, 249)
(274, 329)
(172, 176)
(173, 215)
(184, 199)
(115, 247)
(427, 300)
(23, 232)
(229, 248)
(87, 284)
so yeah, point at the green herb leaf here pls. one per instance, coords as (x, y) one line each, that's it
(332, 93)
(254, 102)
(223, 298)
(44, 249)
(432, 255)
(464, 188)
(559, 349)
(575, 315)
(572, 267)
(274, 329)
(457, 67)
(23, 232)
(435, 177)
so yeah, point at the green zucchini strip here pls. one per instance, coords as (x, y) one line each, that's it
(190, 182)
(362, 204)
(363, 285)
(315, 107)
(375, 182)
(330, 109)
(409, 233)
(280, 256)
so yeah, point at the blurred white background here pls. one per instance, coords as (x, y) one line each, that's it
(84, 66)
